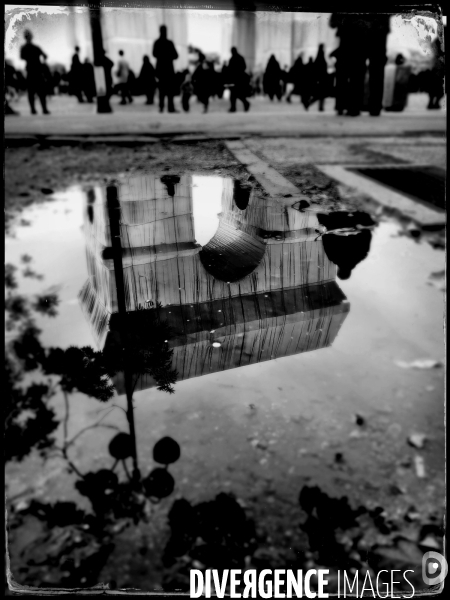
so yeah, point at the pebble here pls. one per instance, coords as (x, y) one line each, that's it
(359, 420)
(417, 440)
(412, 515)
(355, 434)
(430, 542)
(419, 464)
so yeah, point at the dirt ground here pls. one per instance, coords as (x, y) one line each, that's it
(33, 173)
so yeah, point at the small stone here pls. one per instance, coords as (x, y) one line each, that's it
(430, 542)
(339, 458)
(197, 564)
(417, 440)
(411, 515)
(359, 420)
(406, 462)
(419, 464)
(395, 490)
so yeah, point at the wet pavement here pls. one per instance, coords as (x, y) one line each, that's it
(281, 358)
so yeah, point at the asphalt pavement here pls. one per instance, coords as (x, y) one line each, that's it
(70, 119)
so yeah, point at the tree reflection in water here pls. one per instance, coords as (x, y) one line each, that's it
(74, 544)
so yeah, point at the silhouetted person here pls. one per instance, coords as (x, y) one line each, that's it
(376, 53)
(123, 76)
(401, 77)
(187, 89)
(88, 80)
(203, 82)
(218, 84)
(32, 55)
(108, 65)
(238, 78)
(362, 38)
(284, 79)
(165, 53)
(56, 81)
(272, 79)
(295, 77)
(320, 77)
(308, 82)
(48, 78)
(340, 80)
(147, 80)
(436, 77)
(76, 76)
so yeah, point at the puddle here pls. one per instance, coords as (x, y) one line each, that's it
(254, 353)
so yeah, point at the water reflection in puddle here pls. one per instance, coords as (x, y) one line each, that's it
(180, 281)
(144, 257)
(206, 206)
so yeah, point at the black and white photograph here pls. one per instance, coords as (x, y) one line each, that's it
(225, 299)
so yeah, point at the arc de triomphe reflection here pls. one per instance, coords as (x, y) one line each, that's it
(261, 288)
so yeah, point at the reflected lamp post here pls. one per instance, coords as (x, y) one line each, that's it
(103, 105)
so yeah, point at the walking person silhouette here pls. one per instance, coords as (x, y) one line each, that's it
(32, 54)
(238, 78)
(165, 53)
(76, 76)
(147, 79)
(123, 75)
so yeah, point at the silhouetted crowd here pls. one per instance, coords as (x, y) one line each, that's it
(361, 79)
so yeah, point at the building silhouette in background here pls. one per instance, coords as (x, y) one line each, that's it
(261, 288)
(132, 31)
(286, 35)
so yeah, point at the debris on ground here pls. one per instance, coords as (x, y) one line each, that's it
(417, 440)
(419, 465)
(430, 542)
(412, 515)
(360, 420)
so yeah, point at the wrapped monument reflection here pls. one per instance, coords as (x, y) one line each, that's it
(261, 288)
